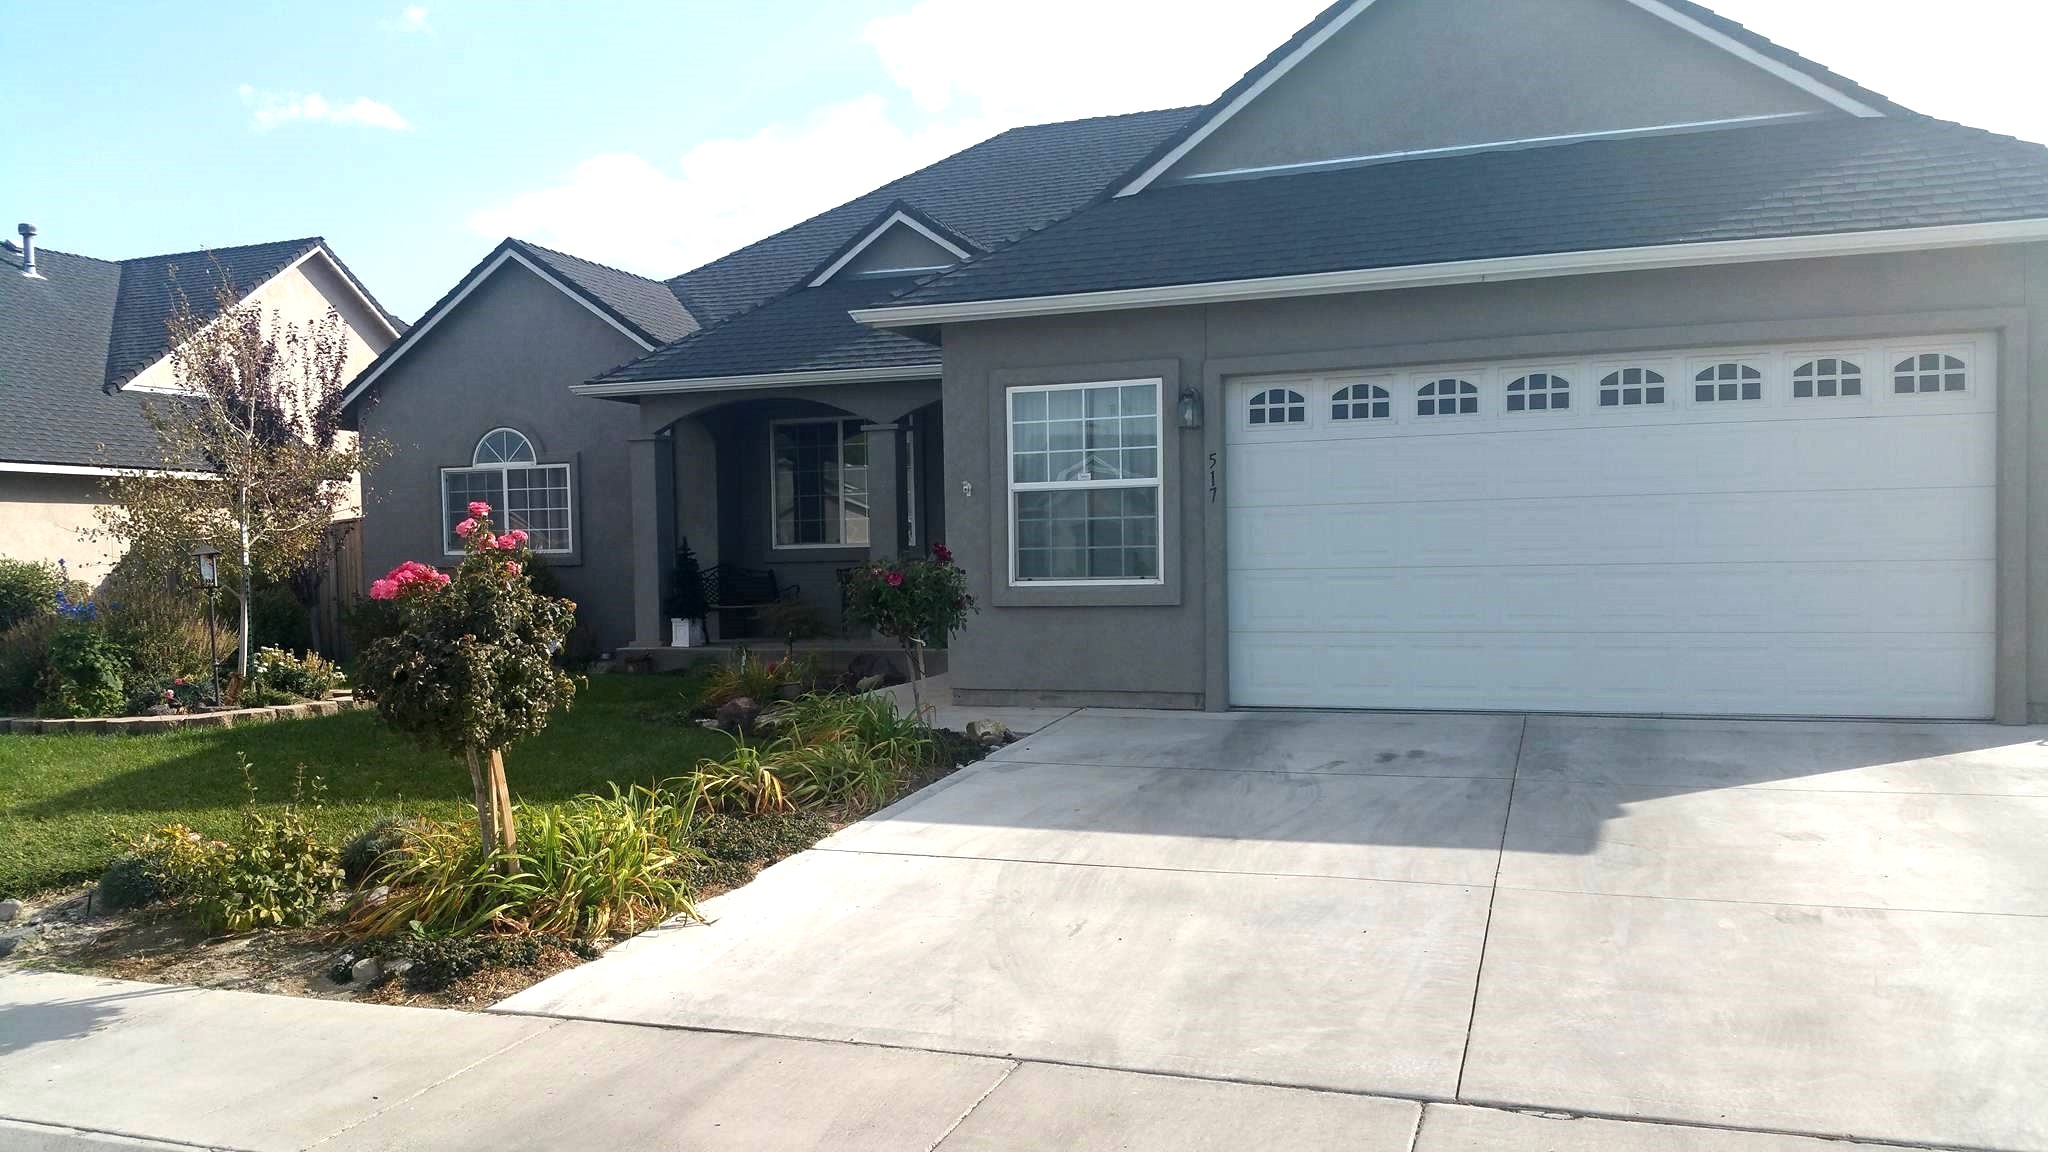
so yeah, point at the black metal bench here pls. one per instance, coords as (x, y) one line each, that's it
(733, 591)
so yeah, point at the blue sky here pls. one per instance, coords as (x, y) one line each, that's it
(657, 135)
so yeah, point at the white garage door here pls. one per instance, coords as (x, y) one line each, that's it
(1795, 530)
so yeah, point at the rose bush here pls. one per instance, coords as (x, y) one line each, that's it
(913, 600)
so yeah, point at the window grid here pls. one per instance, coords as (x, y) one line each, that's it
(1730, 380)
(535, 498)
(1539, 392)
(1930, 372)
(819, 474)
(1447, 397)
(1085, 483)
(1278, 406)
(1826, 378)
(1631, 388)
(1361, 402)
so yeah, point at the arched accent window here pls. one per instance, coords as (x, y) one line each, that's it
(1930, 372)
(1730, 380)
(1278, 406)
(1447, 397)
(1361, 402)
(503, 446)
(1538, 392)
(1826, 377)
(1631, 387)
(523, 493)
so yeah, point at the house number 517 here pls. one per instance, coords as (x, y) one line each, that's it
(1212, 477)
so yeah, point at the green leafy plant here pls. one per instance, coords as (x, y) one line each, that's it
(25, 661)
(832, 751)
(915, 601)
(28, 588)
(275, 873)
(277, 676)
(744, 782)
(366, 850)
(747, 676)
(439, 962)
(85, 674)
(473, 669)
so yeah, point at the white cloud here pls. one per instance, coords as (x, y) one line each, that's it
(268, 109)
(660, 219)
(413, 19)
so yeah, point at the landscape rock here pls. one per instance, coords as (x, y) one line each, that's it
(371, 898)
(397, 969)
(987, 731)
(9, 910)
(737, 715)
(8, 944)
(872, 666)
(366, 971)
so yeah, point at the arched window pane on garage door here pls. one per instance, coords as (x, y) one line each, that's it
(1539, 392)
(1930, 372)
(1732, 380)
(1827, 378)
(1631, 388)
(1447, 397)
(1361, 402)
(1278, 406)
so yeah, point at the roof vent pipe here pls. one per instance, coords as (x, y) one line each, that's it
(28, 249)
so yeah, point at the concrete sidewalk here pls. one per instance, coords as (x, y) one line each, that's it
(89, 1064)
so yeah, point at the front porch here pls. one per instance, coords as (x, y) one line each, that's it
(779, 491)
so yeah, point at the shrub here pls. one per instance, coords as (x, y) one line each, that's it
(367, 621)
(595, 865)
(25, 662)
(129, 882)
(161, 865)
(747, 676)
(27, 588)
(160, 624)
(277, 677)
(85, 673)
(915, 601)
(179, 695)
(746, 782)
(275, 873)
(733, 847)
(835, 751)
(278, 620)
(368, 849)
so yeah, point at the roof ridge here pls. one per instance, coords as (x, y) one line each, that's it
(982, 143)
(653, 280)
(209, 251)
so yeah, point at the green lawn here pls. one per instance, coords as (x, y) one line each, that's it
(68, 804)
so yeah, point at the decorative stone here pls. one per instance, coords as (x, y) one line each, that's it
(737, 715)
(397, 969)
(987, 731)
(373, 897)
(366, 971)
(10, 910)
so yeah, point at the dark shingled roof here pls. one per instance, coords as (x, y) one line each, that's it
(1841, 174)
(807, 330)
(647, 306)
(71, 339)
(988, 194)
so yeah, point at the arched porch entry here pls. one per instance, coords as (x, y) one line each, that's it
(799, 483)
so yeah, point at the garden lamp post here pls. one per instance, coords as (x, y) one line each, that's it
(209, 578)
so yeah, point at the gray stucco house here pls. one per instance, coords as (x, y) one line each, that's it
(1597, 355)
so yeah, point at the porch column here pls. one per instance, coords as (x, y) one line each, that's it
(653, 484)
(885, 490)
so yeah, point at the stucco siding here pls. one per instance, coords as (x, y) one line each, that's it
(1107, 652)
(49, 518)
(505, 357)
(1420, 74)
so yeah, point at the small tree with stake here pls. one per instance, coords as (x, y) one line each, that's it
(473, 669)
(913, 601)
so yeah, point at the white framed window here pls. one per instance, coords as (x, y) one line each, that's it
(1449, 396)
(1277, 406)
(523, 493)
(818, 475)
(1826, 378)
(1361, 402)
(1085, 483)
(1539, 392)
(1728, 380)
(1632, 388)
(1930, 372)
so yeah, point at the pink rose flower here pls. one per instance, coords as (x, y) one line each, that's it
(465, 528)
(487, 540)
(942, 554)
(513, 567)
(895, 579)
(386, 589)
(512, 541)
(479, 509)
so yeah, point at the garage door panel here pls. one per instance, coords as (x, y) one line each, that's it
(1786, 599)
(1789, 556)
(1297, 468)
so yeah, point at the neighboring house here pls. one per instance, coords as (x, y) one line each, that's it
(1596, 355)
(84, 342)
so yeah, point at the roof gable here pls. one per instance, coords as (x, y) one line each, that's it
(1373, 79)
(902, 240)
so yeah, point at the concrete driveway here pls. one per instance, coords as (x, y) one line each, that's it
(1827, 928)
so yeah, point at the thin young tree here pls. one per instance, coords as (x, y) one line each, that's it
(252, 457)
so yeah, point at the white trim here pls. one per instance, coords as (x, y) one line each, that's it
(1258, 87)
(426, 324)
(97, 470)
(1499, 269)
(763, 380)
(317, 250)
(1012, 486)
(1744, 52)
(501, 505)
(1657, 8)
(839, 423)
(876, 233)
(1495, 146)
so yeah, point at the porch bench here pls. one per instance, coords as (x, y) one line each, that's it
(731, 589)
